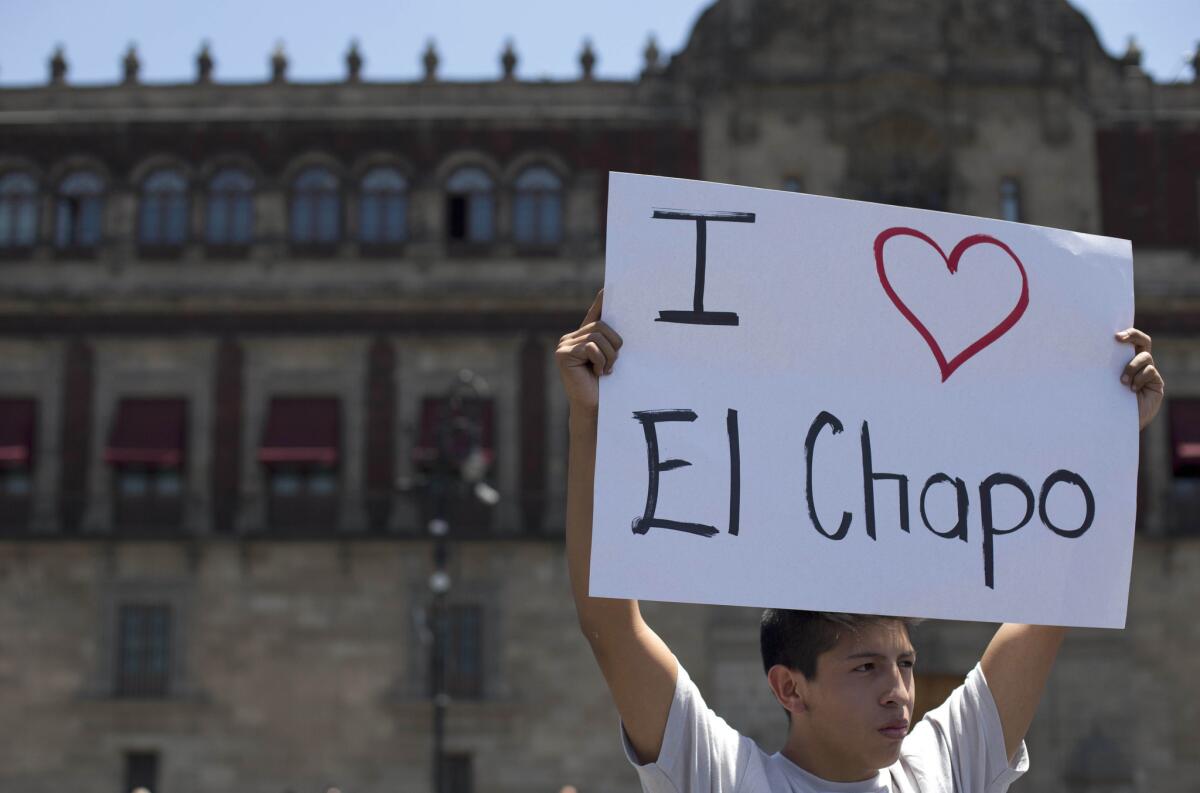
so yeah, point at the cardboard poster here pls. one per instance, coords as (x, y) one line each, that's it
(843, 406)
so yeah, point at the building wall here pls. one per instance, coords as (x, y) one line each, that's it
(299, 663)
(300, 666)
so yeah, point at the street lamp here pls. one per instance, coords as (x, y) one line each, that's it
(458, 464)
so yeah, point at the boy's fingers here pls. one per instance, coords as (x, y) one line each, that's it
(579, 348)
(593, 329)
(1135, 365)
(1139, 340)
(613, 337)
(593, 313)
(1147, 378)
(593, 353)
(606, 347)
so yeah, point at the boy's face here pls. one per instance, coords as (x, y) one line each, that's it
(859, 704)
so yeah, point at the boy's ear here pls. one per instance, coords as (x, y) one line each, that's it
(789, 687)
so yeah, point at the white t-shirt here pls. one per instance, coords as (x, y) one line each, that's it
(957, 748)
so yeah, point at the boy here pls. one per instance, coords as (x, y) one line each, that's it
(845, 680)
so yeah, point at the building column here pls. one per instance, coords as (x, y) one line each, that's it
(78, 387)
(532, 417)
(227, 436)
(380, 462)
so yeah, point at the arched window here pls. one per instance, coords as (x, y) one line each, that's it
(470, 206)
(18, 210)
(163, 214)
(77, 211)
(383, 209)
(537, 212)
(316, 207)
(230, 212)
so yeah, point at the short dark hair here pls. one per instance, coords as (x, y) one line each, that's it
(795, 638)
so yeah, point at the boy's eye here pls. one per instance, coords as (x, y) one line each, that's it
(908, 664)
(867, 667)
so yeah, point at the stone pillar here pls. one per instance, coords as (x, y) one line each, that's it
(76, 432)
(532, 417)
(380, 462)
(227, 436)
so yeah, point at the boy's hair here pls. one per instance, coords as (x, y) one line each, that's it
(795, 638)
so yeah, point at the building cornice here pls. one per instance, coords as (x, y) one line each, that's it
(159, 323)
(495, 102)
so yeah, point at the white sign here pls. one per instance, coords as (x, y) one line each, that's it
(842, 406)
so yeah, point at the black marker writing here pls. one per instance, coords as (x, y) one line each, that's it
(698, 316)
(649, 420)
(960, 530)
(1070, 477)
(960, 489)
(810, 441)
(869, 480)
(989, 530)
(735, 470)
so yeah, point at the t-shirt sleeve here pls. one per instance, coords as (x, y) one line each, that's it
(963, 738)
(700, 752)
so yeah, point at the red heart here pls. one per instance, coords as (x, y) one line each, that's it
(948, 367)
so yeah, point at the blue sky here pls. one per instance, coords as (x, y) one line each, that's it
(469, 33)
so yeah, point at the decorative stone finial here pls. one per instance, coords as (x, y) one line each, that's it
(58, 66)
(354, 62)
(131, 64)
(204, 64)
(1133, 54)
(430, 60)
(279, 64)
(651, 56)
(587, 59)
(508, 60)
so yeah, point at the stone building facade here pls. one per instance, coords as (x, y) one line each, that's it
(231, 314)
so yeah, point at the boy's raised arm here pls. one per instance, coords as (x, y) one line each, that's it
(1019, 658)
(639, 668)
(1016, 665)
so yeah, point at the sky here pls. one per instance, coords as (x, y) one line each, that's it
(470, 35)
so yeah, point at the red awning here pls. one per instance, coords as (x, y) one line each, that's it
(150, 431)
(438, 415)
(301, 430)
(1185, 431)
(17, 420)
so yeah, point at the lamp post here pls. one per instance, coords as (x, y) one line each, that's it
(439, 585)
(459, 462)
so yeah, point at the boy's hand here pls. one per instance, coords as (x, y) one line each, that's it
(1142, 376)
(583, 355)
